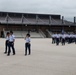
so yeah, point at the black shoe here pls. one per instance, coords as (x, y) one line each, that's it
(14, 54)
(25, 54)
(8, 54)
(29, 54)
(5, 52)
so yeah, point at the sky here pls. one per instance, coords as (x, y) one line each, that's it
(66, 8)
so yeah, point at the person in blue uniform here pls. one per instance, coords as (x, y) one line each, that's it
(27, 44)
(11, 43)
(6, 42)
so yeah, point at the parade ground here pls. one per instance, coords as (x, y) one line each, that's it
(45, 59)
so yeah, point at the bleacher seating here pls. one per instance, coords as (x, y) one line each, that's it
(2, 19)
(56, 22)
(43, 21)
(28, 20)
(14, 19)
(21, 34)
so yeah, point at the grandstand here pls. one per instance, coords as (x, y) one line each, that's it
(22, 34)
(39, 25)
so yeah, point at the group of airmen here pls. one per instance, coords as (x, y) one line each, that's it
(63, 38)
(9, 44)
(56, 39)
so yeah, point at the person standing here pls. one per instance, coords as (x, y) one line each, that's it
(63, 39)
(75, 37)
(7, 42)
(69, 38)
(11, 43)
(53, 38)
(57, 39)
(27, 44)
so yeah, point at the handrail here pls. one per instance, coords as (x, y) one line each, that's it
(42, 33)
(50, 34)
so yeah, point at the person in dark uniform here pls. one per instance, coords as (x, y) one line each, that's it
(11, 43)
(69, 39)
(6, 42)
(53, 38)
(75, 38)
(27, 44)
(63, 39)
(57, 39)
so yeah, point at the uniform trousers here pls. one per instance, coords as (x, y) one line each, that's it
(6, 45)
(53, 40)
(27, 47)
(63, 41)
(57, 41)
(11, 45)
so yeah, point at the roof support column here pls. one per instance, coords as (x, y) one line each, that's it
(37, 19)
(62, 19)
(50, 20)
(74, 20)
(22, 19)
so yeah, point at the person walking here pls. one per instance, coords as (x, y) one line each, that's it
(63, 39)
(57, 39)
(7, 42)
(27, 44)
(11, 43)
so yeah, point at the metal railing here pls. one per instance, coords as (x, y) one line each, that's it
(42, 33)
(49, 33)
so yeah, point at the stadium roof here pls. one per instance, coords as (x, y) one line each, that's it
(29, 13)
(57, 21)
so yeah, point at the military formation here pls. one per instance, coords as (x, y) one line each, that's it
(63, 38)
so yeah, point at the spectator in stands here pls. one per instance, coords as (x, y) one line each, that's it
(7, 42)
(27, 44)
(11, 43)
